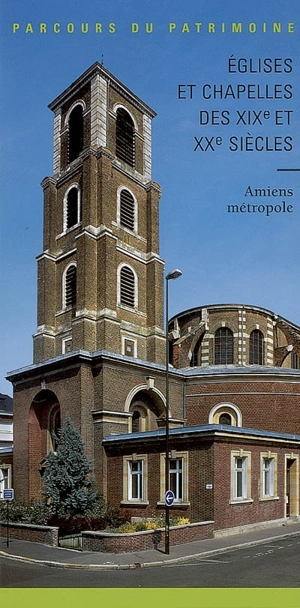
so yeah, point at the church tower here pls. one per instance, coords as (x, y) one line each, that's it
(100, 277)
(99, 348)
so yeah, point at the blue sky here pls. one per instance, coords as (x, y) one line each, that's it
(243, 257)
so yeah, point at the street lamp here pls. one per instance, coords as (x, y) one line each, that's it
(175, 274)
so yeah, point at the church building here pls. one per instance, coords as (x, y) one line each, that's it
(99, 347)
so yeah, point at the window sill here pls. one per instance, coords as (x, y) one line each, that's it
(131, 309)
(133, 233)
(64, 311)
(68, 230)
(268, 498)
(240, 501)
(135, 503)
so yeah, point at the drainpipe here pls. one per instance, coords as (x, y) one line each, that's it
(184, 402)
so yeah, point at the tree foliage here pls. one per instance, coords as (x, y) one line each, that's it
(68, 485)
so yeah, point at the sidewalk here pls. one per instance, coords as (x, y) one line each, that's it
(67, 558)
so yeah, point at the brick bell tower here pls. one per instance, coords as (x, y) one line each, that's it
(99, 348)
(100, 275)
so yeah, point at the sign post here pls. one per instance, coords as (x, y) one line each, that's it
(169, 498)
(8, 495)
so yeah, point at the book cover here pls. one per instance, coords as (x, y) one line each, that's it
(223, 78)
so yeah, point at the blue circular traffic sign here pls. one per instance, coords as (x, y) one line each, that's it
(169, 498)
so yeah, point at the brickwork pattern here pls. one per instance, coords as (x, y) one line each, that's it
(241, 320)
(28, 532)
(98, 245)
(227, 514)
(139, 541)
(268, 405)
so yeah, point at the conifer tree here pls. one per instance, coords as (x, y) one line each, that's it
(68, 486)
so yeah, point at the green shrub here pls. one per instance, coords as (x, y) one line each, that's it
(140, 526)
(33, 513)
(100, 517)
(182, 521)
(149, 524)
(125, 528)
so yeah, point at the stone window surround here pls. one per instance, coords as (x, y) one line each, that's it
(65, 208)
(119, 287)
(246, 477)
(127, 500)
(64, 285)
(184, 456)
(5, 468)
(273, 473)
(135, 229)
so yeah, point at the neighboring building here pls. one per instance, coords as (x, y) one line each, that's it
(6, 442)
(99, 348)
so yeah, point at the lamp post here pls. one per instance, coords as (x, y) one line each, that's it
(175, 274)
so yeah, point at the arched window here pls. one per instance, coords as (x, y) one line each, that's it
(136, 422)
(196, 355)
(127, 287)
(71, 208)
(225, 413)
(75, 132)
(125, 137)
(256, 347)
(225, 419)
(127, 209)
(70, 286)
(139, 420)
(223, 346)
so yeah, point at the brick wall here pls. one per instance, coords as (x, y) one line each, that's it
(34, 534)
(139, 541)
(199, 506)
(241, 320)
(268, 405)
(226, 513)
(99, 244)
(210, 480)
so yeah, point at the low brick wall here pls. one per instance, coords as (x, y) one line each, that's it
(137, 541)
(36, 534)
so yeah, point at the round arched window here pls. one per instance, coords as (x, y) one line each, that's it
(225, 419)
(223, 346)
(125, 137)
(75, 132)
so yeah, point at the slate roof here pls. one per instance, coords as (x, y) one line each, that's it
(6, 404)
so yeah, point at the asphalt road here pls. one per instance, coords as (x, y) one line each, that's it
(273, 564)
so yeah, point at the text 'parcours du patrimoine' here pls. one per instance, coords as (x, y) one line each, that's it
(151, 27)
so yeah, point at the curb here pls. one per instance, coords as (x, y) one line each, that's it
(40, 562)
(136, 565)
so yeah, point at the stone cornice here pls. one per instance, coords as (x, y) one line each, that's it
(47, 181)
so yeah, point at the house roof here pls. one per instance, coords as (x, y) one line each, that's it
(76, 357)
(201, 431)
(99, 69)
(232, 306)
(6, 404)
